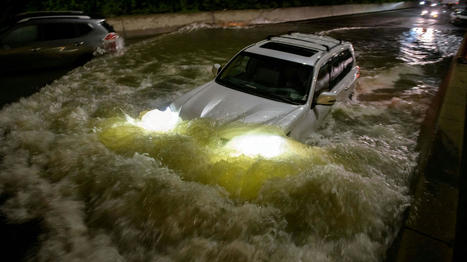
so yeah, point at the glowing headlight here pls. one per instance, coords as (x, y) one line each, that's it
(157, 121)
(424, 12)
(267, 146)
(422, 2)
(434, 14)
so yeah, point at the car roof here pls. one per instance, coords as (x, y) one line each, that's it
(297, 47)
(24, 17)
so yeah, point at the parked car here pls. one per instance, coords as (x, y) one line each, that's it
(450, 3)
(54, 39)
(459, 17)
(431, 11)
(290, 81)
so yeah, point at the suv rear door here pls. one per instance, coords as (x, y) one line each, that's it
(315, 114)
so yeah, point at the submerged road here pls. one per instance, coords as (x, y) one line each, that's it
(78, 182)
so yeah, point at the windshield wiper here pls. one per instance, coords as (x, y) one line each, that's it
(250, 89)
(283, 99)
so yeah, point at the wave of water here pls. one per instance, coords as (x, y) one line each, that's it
(106, 192)
(341, 29)
(426, 45)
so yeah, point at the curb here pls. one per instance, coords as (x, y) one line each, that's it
(433, 225)
(147, 25)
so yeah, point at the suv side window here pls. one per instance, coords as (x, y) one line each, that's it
(336, 70)
(347, 61)
(22, 35)
(341, 65)
(322, 83)
(55, 31)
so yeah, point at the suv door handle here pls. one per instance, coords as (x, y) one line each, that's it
(37, 49)
(79, 43)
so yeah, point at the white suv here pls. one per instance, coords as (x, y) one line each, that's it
(290, 81)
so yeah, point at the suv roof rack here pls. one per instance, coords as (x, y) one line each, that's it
(23, 17)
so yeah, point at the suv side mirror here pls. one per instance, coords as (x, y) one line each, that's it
(216, 68)
(326, 99)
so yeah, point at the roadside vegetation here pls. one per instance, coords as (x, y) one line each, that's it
(110, 8)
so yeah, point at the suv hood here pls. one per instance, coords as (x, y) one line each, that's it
(228, 105)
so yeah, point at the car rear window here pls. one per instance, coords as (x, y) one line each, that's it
(296, 50)
(107, 26)
(82, 29)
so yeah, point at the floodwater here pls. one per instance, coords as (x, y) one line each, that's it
(95, 188)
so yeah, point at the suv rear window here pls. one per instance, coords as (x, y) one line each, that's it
(296, 50)
(107, 26)
(82, 29)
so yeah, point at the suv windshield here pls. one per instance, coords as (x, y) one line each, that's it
(268, 77)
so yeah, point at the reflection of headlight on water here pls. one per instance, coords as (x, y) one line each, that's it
(156, 120)
(240, 158)
(249, 143)
(252, 145)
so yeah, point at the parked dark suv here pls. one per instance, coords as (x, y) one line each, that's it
(54, 39)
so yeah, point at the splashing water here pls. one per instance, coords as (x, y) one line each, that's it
(267, 146)
(156, 120)
(105, 189)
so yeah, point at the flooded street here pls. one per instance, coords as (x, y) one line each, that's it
(92, 187)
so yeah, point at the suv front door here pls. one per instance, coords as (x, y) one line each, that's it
(18, 48)
(63, 43)
(315, 114)
(335, 76)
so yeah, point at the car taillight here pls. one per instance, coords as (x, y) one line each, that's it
(357, 75)
(111, 36)
(111, 42)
